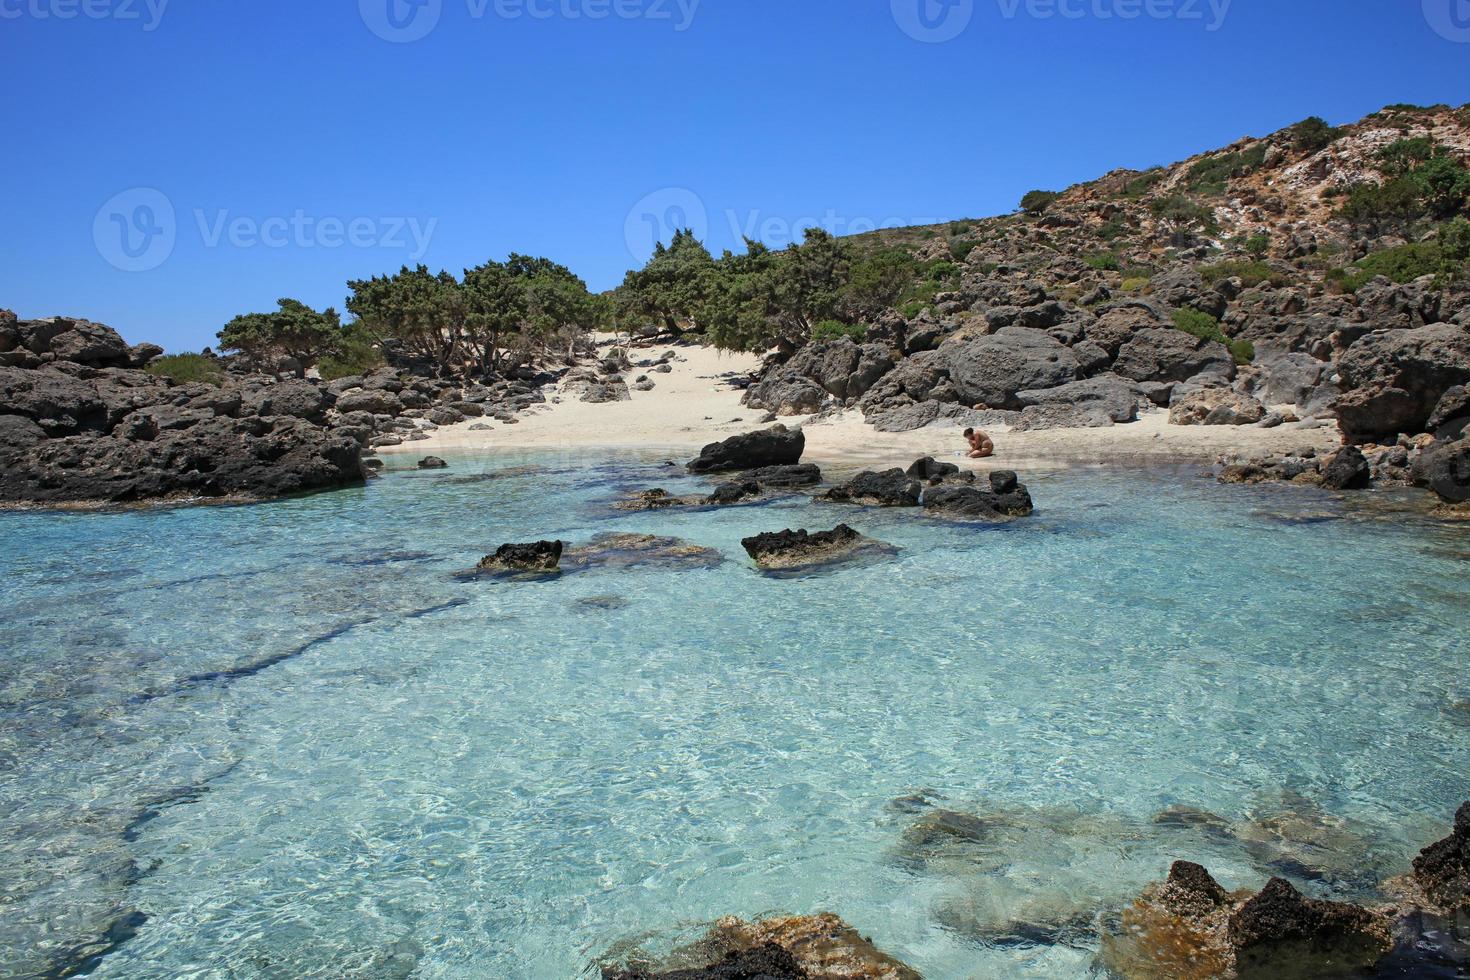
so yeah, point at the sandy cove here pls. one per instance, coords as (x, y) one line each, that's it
(699, 403)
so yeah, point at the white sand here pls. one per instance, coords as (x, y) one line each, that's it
(696, 404)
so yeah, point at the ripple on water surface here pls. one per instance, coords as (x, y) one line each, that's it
(287, 740)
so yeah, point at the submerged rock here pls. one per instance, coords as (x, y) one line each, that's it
(1191, 927)
(819, 947)
(1347, 470)
(800, 549)
(633, 550)
(776, 446)
(540, 556)
(433, 463)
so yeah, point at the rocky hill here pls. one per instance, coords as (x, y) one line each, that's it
(1312, 275)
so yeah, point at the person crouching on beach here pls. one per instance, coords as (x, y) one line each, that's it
(981, 446)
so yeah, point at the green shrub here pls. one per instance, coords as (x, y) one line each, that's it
(912, 310)
(355, 356)
(1206, 327)
(1104, 261)
(941, 271)
(960, 228)
(1036, 202)
(1376, 207)
(1406, 155)
(1407, 262)
(1454, 240)
(836, 329)
(1258, 245)
(1135, 284)
(984, 268)
(1250, 273)
(960, 250)
(1180, 211)
(1114, 229)
(188, 369)
(1143, 183)
(1313, 134)
(1209, 176)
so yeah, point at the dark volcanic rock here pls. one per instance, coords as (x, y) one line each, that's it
(540, 556)
(1393, 380)
(994, 370)
(1005, 498)
(1442, 870)
(1348, 470)
(1448, 471)
(1451, 416)
(840, 369)
(780, 477)
(217, 457)
(799, 549)
(1163, 354)
(776, 446)
(300, 399)
(1278, 931)
(928, 468)
(768, 962)
(891, 488)
(432, 463)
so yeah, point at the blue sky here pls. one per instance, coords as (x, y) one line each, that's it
(297, 148)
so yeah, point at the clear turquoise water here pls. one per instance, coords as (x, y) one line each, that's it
(283, 740)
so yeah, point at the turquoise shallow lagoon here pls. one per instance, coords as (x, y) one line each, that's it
(284, 740)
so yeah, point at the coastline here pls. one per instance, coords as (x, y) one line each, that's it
(697, 403)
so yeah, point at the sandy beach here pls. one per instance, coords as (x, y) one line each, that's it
(699, 403)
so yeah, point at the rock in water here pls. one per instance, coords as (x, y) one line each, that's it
(776, 446)
(1006, 498)
(1348, 470)
(799, 549)
(802, 947)
(1280, 933)
(541, 556)
(432, 463)
(1449, 471)
(1190, 928)
(891, 488)
(1442, 870)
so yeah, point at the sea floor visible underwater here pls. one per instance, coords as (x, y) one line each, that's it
(286, 740)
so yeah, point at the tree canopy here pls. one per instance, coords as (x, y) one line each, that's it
(293, 330)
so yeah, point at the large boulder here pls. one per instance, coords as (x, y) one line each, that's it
(1164, 354)
(93, 344)
(1347, 470)
(786, 550)
(1294, 379)
(298, 399)
(993, 370)
(840, 368)
(375, 401)
(1117, 325)
(208, 457)
(1392, 380)
(1215, 406)
(1451, 415)
(1116, 397)
(59, 403)
(891, 488)
(1004, 498)
(538, 556)
(1447, 470)
(776, 446)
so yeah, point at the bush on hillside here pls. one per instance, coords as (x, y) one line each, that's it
(1206, 327)
(188, 369)
(1143, 183)
(836, 330)
(1252, 274)
(1036, 202)
(1104, 262)
(1209, 176)
(1313, 134)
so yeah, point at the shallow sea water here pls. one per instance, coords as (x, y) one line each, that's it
(284, 740)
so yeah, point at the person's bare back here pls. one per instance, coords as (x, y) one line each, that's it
(981, 446)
